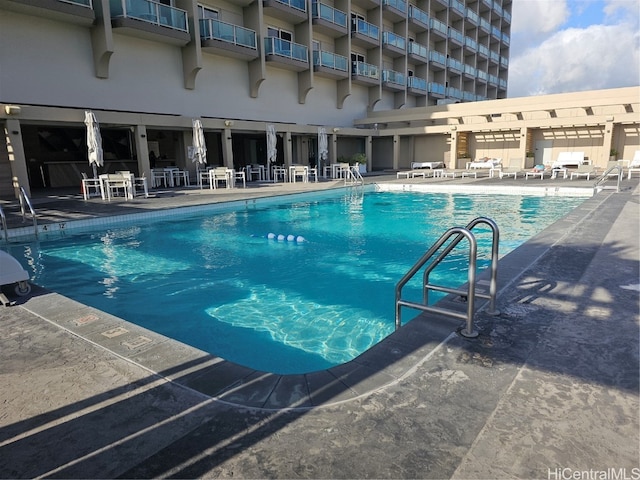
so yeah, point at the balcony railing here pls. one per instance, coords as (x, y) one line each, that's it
(454, 93)
(418, 15)
(506, 16)
(297, 4)
(469, 70)
(285, 48)
(473, 16)
(329, 60)
(495, 56)
(505, 39)
(418, 50)
(397, 4)
(493, 79)
(496, 33)
(391, 76)
(366, 28)
(456, 35)
(438, 26)
(454, 64)
(502, 83)
(471, 43)
(328, 13)
(436, 88)
(437, 57)
(468, 96)
(497, 8)
(211, 29)
(150, 12)
(504, 62)
(458, 6)
(484, 24)
(365, 70)
(390, 38)
(82, 3)
(483, 49)
(482, 75)
(417, 83)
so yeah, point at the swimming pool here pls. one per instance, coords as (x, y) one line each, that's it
(217, 282)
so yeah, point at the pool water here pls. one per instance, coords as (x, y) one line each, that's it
(218, 283)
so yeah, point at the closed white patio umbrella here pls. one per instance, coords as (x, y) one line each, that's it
(272, 148)
(323, 147)
(199, 145)
(94, 142)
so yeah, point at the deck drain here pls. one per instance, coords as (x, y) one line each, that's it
(115, 332)
(137, 343)
(85, 320)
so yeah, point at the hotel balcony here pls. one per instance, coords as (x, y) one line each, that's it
(393, 45)
(470, 44)
(365, 74)
(418, 53)
(437, 60)
(292, 11)
(79, 12)
(228, 40)
(364, 34)
(150, 20)
(456, 37)
(485, 25)
(454, 93)
(458, 9)
(455, 66)
(436, 90)
(494, 57)
(285, 54)
(469, 72)
(418, 19)
(392, 80)
(416, 86)
(472, 17)
(328, 20)
(482, 76)
(330, 65)
(505, 39)
(366, 4)
(483, 51)
(394, 10)
(438, 28)
(468, 96)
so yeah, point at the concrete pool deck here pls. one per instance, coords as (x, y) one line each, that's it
(550, 386)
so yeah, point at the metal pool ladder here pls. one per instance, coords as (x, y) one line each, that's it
(456, 234)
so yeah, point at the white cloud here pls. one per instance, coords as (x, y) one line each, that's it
(535, 17)
(599, 56)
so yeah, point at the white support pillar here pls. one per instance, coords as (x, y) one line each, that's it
(17, 160)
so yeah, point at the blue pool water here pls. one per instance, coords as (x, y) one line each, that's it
(216, 281)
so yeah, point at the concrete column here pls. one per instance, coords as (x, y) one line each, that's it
(368, 151)
(453, 151)
(17, 160)
(606, 145)
(396, 152)
(288, 150)
(142, 148)
(227, 148)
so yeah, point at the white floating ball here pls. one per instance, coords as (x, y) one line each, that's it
(300, 239)
(280, 238)
(291, 238)
(271, 235)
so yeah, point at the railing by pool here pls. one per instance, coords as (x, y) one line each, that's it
(150, 12)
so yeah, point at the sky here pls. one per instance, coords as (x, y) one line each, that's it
(560, 46)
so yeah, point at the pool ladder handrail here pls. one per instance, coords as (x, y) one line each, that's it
(24, 199)
(598, 187)
(352, 176)
(458, 234)
(4, 225)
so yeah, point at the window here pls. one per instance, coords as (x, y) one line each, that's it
(206, 13)
(279, 33)
(357, 57)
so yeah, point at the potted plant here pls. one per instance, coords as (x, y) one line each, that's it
(613, 155)
(529, 159)
(359, 159)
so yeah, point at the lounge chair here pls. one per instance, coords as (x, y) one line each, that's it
(634, 165)
(569, 159)
(535, 173)
(584, 170)
(512, 170)
(491, 163)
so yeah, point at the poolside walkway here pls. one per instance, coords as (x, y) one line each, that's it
(549, 389)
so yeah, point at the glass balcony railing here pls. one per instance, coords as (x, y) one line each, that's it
(285, 48)
(397, 4)
(454, 64)
(211, 29)
(484, 24)
(417, 83)
(436, 88)
(329, 60)
(505, 39)
(418, 50)
(330, 14)
(504, 62)
(437, 57)
(496, 33)
(482, 75)
(391, 76)
(502, 83)
(366, 28)
(365, 70)
(495, 56)
(506, 16)
(469, 70)
(390, 38)
(483, 49)
(493, 79)
(456, 35)
(497, 8)
(468, 96)
(297, 4)
(488, 3)
(473, 16)
(471, 43)
(439, 26)
(458, 6)
(418, 15)
(454, 93)
(150, 12)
